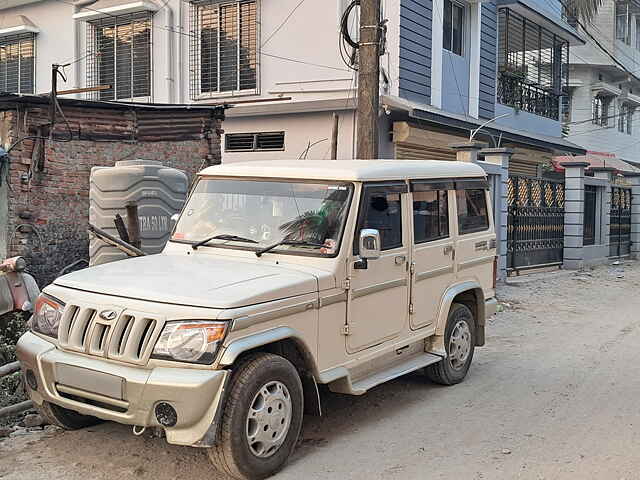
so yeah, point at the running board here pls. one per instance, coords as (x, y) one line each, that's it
(344, 385)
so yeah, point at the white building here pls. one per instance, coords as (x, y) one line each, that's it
(279, 64)
(604, 97)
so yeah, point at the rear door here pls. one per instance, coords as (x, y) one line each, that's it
(379, 295)
(476, 240)
(433, 250)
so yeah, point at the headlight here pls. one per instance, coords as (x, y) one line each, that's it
(190, 341)
(46, 316)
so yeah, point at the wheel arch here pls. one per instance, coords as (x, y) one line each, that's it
(287, 343)
(467, 293)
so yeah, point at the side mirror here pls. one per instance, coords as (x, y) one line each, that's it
(369, 244)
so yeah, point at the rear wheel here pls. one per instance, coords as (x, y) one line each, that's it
(262, 418)
(64, 418)
(459, 341)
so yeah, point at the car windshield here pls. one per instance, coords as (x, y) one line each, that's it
(307, 217)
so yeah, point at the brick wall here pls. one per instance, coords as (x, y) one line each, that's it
(48, 216)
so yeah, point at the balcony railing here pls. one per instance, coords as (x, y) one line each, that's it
(516, 93)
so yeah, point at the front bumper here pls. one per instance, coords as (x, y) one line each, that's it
(126, 394)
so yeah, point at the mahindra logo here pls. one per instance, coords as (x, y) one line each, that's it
(108, 315)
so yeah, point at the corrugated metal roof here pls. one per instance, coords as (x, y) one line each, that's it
(7, 99)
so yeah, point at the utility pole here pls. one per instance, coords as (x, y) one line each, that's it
(53, 99)
(368, 79)
(334, 136)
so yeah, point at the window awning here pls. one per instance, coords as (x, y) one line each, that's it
(17, 24)
(605, 90)
(631, 99)
(109, 8)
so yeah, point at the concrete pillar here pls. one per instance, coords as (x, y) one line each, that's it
(467, 151)
(634, 179)
(574, 215)
(501, 158)
(605, 173)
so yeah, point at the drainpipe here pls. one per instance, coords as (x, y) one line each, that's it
(169, 37)
(77, 6)
(180, 48)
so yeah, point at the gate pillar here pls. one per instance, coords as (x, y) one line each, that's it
(635, 214)
(500, 157)
(574, 215)
(467, 151)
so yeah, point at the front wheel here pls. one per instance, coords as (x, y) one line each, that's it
(459, 341)
(262, 418)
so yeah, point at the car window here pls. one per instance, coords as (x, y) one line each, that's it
(384, 213)
(472, 211)
(430, 215)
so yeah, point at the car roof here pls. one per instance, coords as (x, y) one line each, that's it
(347, 170)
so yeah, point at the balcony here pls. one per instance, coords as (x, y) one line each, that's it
(514, 92)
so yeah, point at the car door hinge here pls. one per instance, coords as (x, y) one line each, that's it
(411, 309)
(412, 268)
(345, 330)
(346, 284)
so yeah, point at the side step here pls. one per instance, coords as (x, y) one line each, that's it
(361, 386)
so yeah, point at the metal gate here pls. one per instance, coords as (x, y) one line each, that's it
(620, 222)
(535, 234)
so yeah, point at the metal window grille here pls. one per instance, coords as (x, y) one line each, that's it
(254, 142)
(223, 47)
(623, 22)
(625, 119)
(17, 63)
(120, 56)
(534, 65)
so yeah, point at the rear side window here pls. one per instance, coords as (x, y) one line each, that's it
(472, 211)
(384, 213)
(430, 215)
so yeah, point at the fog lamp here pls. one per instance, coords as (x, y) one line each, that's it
(166, 414)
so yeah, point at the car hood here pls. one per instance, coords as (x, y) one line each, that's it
(193, 280)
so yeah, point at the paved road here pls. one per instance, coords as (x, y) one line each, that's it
(554, 395)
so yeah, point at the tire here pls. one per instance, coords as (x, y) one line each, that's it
(265, 395)
(64, 418)
(454, 368)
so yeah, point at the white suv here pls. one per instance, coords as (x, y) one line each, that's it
(279, 276)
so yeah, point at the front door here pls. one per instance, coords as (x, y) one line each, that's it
(433, 251)
(379, 295)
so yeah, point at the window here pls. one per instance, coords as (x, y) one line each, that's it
(472, 211)
(17, 65)
(254, 142)
(601, 109)
(637, 32)
(623, 22)
(120, 57)
(383, 212)
(223, 47)
(625, 119)
(430, 216)
(453, 27)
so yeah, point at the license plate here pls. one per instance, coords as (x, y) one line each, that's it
(90, 380)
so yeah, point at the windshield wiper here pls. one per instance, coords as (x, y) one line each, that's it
(234, 238)
(288, 242)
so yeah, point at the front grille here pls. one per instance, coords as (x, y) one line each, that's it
(129, 337)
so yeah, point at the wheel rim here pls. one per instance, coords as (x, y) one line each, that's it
(459, 345)
(269, 419)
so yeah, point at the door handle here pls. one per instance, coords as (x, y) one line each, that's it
(448, 249)
(400, 259)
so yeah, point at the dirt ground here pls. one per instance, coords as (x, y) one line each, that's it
(555, 394)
